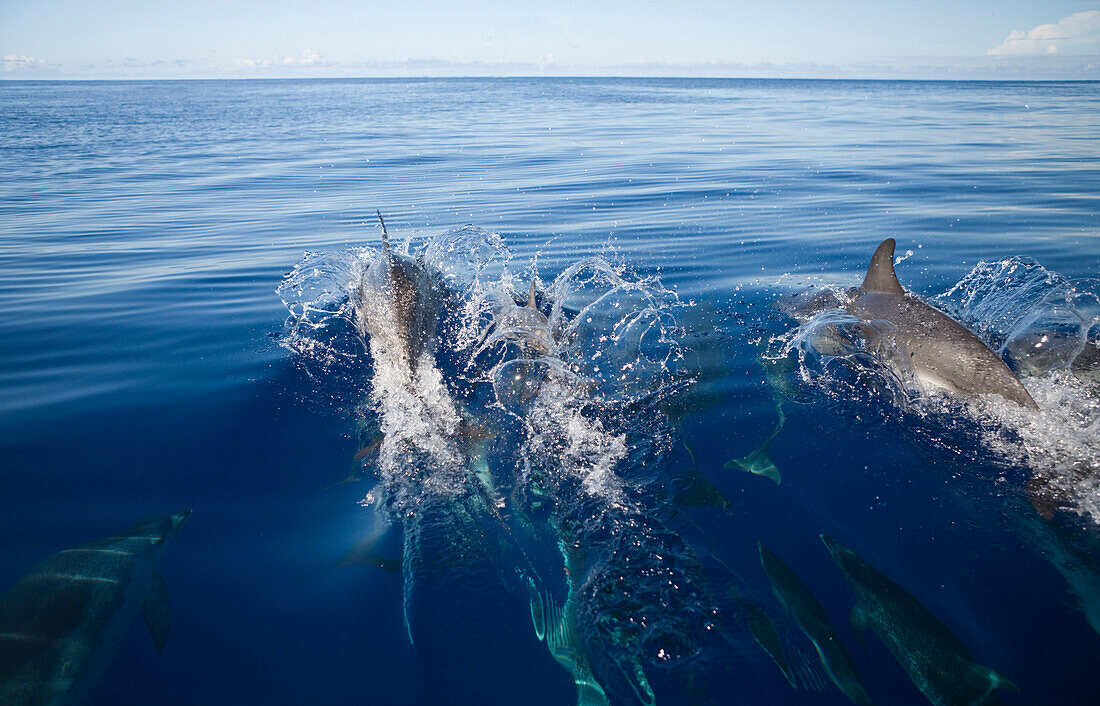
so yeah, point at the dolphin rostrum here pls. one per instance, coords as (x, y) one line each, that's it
(797, 599)
(62, 624)
(931, 655)
(399, 304)
(942, 351)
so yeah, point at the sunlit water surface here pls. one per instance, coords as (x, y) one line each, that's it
(557, 515)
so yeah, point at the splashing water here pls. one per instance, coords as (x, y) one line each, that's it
(1043, 325)
(587, 382)
(1047, 328)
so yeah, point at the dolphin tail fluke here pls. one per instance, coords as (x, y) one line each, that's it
(998, 681)
(156, 612)
(880, 273)
(757, 463)
(564, 644)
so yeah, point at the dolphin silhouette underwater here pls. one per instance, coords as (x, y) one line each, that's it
(800, 603)
(930, 654)
(399, 304)
(943, 353)
(62, 624)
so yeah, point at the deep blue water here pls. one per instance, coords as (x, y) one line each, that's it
(145, 227)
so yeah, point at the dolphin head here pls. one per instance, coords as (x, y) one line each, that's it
(158, 529)
(854, 567)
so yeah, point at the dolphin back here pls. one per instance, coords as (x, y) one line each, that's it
(943, 352)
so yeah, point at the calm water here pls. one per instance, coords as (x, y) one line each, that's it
(146, 367)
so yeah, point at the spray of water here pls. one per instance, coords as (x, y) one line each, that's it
(572, 378)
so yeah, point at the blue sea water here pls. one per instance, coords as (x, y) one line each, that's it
(149, 364)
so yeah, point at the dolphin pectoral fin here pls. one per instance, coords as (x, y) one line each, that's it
(859, 625)
(155, 610)
(369, 453)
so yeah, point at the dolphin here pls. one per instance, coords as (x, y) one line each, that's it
(943, 352)
(797, 599)
(399, 304)
(524, 325)
(933, 658)
(763, 630)
(62, 623)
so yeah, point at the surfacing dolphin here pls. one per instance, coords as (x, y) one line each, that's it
(800, 603)
(929, 653)
(943, 352)
(399, 304)
(62, 624)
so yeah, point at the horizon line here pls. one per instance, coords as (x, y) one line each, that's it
(4, 79)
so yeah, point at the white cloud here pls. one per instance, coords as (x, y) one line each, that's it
(21, 62)
(1077, 31)
(308, 57)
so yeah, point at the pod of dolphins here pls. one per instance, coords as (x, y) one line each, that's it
(61, 624)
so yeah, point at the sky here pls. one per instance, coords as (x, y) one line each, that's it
(129, 39)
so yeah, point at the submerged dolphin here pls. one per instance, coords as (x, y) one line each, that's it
(62, 623)
(797, 599)
(942, 351)
(399, 303)
(763, 630)
(933, 658)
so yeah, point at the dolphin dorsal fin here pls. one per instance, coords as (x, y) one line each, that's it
(880, 273)
(531, 297)
(386, 250)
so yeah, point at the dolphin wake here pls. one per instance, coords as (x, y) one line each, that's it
(539, 433)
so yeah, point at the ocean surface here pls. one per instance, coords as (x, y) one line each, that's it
(556, 520)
